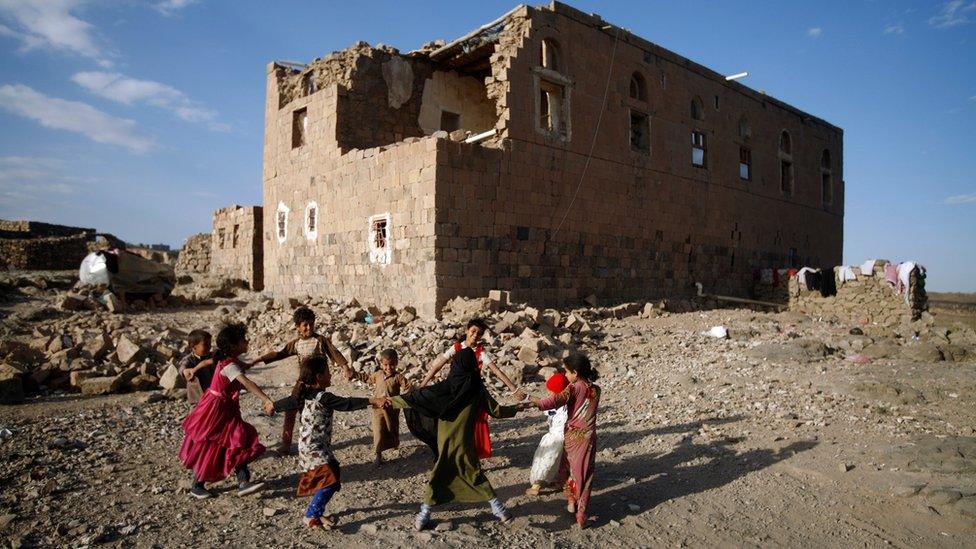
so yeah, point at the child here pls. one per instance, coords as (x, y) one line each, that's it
(473, 334)
(197, 365)
(320, 476)
(456, 403)
(582, 398)
(217, 440)
(308, 344)
(545, 464)
(386, 382)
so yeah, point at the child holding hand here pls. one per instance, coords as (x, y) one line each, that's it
(217, 440)
(581, 398)
(549, 454)
(386, 382)
(320, 468)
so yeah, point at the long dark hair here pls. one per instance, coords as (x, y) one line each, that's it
(227, 338)
(579, 364)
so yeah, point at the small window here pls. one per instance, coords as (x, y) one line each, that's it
(745, 164)
(786, 177)
(281, 222)
(640, 132)
(785, 143)
(379, 239)
(552, 111)
(237, 229)
(450, 121)
(794, 258)
(698, 149)
(549, 55)
(638, 87)
(299, 127)
(745, 131)
(311, 221)
(826, 179)
(697, 111)
(716, 102)
(221, 237)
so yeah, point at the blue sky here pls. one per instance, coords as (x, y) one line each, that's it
(140, 118)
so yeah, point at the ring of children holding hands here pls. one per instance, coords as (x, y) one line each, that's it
(450, 416)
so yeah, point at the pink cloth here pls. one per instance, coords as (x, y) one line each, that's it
(579, 457)
(891, 274)
(217, 440)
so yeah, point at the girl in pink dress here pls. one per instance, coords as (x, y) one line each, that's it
(582, 398)
(217, 440)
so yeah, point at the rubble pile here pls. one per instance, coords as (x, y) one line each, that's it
(869, 299)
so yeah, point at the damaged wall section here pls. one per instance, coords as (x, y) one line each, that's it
(236, 245)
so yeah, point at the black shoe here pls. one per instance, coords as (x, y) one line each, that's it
(200, 492)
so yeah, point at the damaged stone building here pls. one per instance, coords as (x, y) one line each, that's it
(548, 153)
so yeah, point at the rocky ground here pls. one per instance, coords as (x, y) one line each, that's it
(791, 431)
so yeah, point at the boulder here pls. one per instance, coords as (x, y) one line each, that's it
(77, 376)
(127, 351)
(102, 385)
(96, 345)
(171, 378)
(71, 303)
(922, 352)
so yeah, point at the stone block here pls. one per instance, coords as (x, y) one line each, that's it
(171, 378)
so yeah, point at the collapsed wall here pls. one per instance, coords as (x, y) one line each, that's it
(195, 255)
(870, 299)
(236, 250)
(30, 245)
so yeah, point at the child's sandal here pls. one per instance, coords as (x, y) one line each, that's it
(571, 507)
(312, 523)
(533, 490)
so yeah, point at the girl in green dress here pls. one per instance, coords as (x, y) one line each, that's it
(455, 402)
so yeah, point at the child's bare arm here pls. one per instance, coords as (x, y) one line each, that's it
(254, 389)
(434, 367)
(516, 391)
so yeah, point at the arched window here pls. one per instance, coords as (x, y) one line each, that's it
(697, 110)
(785, 143)
(745, 132)
(549, 55)
(638, 87)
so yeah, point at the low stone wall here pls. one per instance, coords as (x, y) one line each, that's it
(53, 253)
(195, 255)
(867, 300)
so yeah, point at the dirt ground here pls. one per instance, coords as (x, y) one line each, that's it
(768, 438)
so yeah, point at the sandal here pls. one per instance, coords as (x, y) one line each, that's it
(329, 522)
(533, 490)
(312, 523)
(571, 507)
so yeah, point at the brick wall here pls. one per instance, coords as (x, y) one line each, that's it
(236, 245)
(49, 253)
(461, 95)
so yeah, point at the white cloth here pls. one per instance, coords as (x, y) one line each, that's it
(867, 268)
(485, 357)
(801, 276)
(232, 371)
(845, 273)
(904, 273)
(545, 463)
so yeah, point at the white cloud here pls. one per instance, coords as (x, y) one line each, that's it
(123, 89)
(960, 199)
(895, 28)
(972, 97)
(170, 7)
(75, 116)
(50, 23)
(815, 32)
(952, 14)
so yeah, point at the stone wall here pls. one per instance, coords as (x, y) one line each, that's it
(867, 300)
(195, 255)
(461, 95)
(32, 245)
(236, 250)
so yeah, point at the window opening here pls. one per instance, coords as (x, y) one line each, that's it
(698, 149)
(550, 55)
(220, 238)
(311, 220)
(638, 88)
(379, 239)
(299, 128)
(640, 132)
(745, 164)
(697, 112)
(281, 222)
(450, 121)
(237, 229)
(551, 112)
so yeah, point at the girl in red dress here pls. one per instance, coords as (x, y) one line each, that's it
(217, 441)
(582, 398)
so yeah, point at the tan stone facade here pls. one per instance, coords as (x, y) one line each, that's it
(631, 184)
(235, 245)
